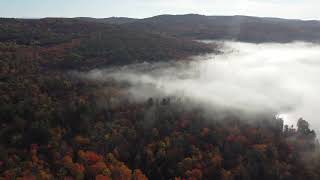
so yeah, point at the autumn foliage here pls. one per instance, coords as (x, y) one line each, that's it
(55, 125)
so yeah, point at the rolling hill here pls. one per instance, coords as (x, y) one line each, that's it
(73, 43)
(242, 28)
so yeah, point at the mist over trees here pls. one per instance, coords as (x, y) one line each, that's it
(55, 125)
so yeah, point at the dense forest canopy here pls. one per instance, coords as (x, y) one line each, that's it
(55, 125)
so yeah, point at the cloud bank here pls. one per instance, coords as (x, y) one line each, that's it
(279, 78)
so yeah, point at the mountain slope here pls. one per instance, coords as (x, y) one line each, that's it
(243, 28)
(74, 43)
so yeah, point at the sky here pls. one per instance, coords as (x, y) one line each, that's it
(292, 9)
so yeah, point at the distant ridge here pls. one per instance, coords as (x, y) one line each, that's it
(243, 28)
(111, 20)
(201, 27)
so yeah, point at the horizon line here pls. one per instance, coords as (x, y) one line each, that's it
(75, 17)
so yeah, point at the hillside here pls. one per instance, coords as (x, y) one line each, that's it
(74, 43)
(243, 28)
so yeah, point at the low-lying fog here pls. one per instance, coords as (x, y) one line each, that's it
(282, 78)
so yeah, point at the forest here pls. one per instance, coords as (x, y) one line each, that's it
(54, 125)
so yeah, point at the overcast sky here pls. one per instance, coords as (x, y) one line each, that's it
(297, 9)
